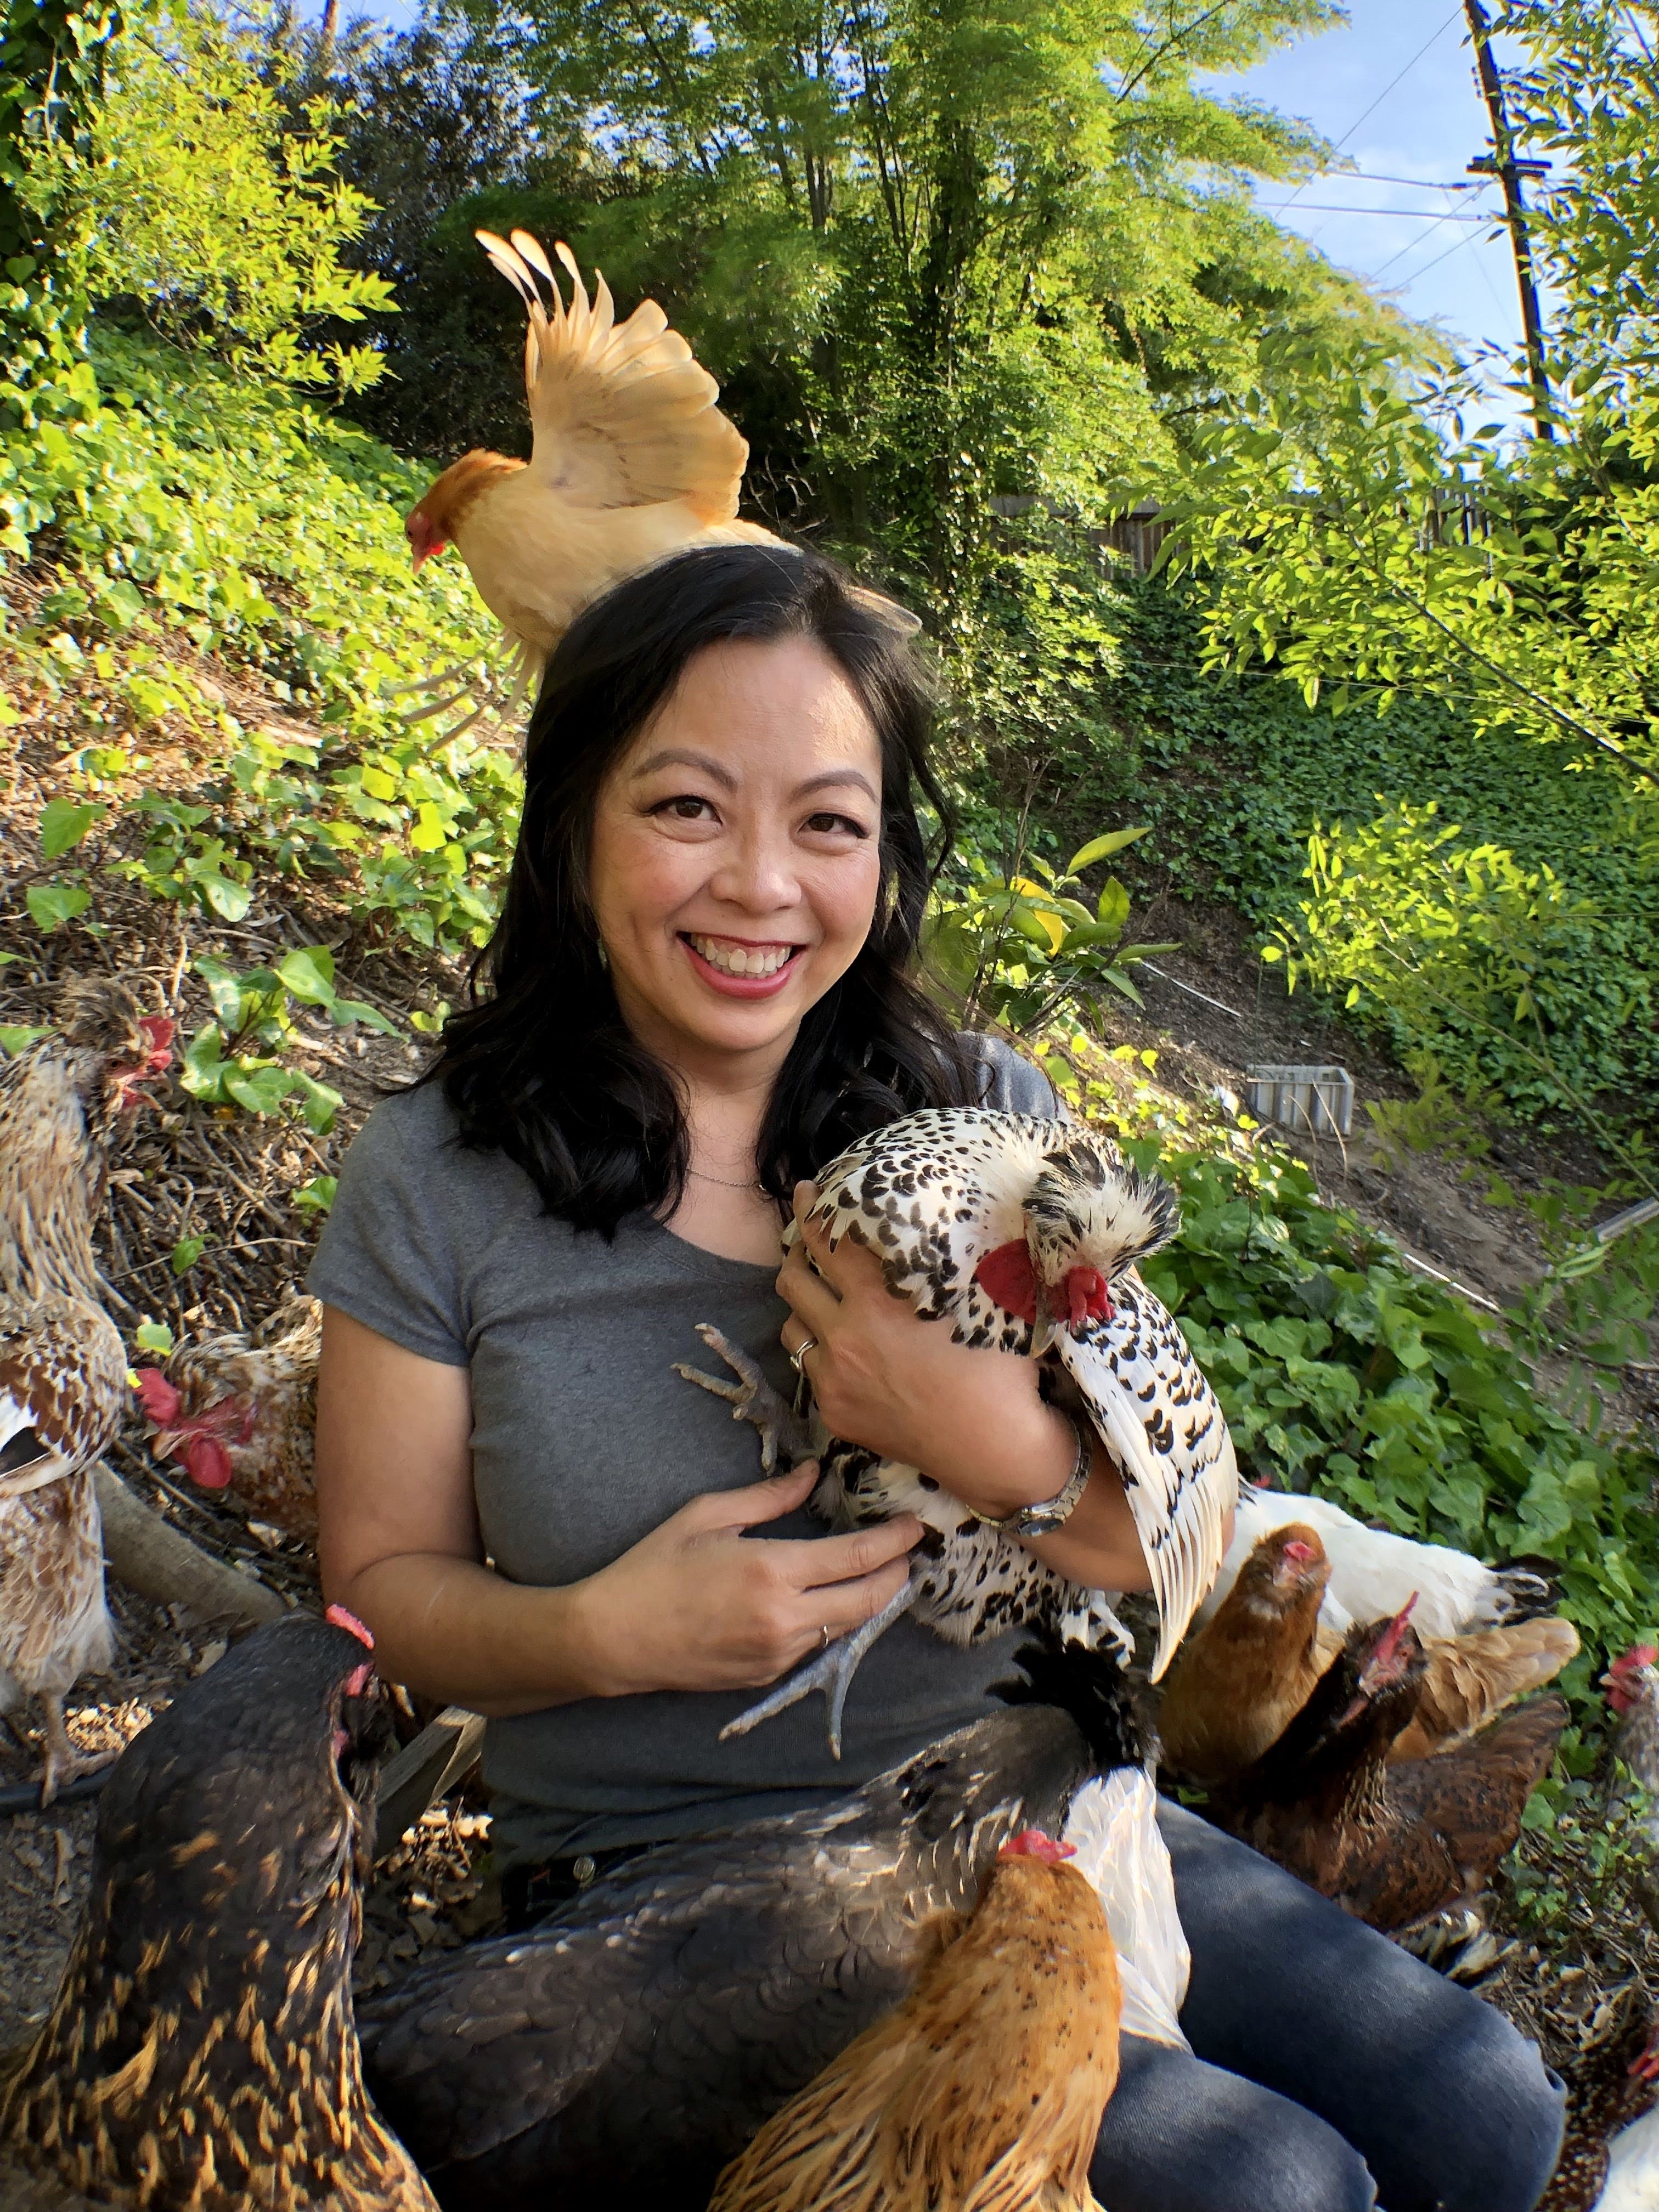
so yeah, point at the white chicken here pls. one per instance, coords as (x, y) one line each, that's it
(1021, 1233)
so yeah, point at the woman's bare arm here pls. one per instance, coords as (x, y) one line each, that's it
(695, 1606)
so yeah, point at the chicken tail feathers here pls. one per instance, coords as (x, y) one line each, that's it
(1090, 1687)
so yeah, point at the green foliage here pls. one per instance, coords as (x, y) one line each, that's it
(938, 256)
(1508, 977)
(51, 69)
(236, 1059)
(198, 510)
(1342, 1373)
(193, 199)
(1016, 950)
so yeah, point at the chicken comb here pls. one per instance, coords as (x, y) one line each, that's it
(1033, 1844)
(160, 1399)
(350, 1621)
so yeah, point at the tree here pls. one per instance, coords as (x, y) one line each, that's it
(938, 250)
(51, 72)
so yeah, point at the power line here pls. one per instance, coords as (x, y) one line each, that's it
(1390, 86)
(1415, 215)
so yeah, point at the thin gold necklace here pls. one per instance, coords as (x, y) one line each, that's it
(703, 1177)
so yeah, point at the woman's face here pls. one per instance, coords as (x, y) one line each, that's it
(735, 864)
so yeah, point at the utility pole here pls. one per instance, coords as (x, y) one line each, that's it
(1502, 163)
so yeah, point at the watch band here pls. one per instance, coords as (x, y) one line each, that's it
(1049, 1514)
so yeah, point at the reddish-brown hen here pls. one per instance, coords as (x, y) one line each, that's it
(1237, 1685)
(1389, 1842)
(983, 2091)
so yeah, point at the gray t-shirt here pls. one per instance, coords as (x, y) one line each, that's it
(584, 1440)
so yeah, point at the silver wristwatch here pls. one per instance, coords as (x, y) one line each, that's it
(1049, 1514)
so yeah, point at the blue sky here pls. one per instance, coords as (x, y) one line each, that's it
(1395, 88)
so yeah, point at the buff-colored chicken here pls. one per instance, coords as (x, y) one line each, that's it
(632, 460)
(63, 1368)
(239, 1411)
(983, 2091)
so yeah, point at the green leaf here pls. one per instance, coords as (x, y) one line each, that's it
(1112, 910)
(317, 1196)
(260, 1089)
(53, 904)
(346, 1011)
(18, 1036)
(62, 824)
(229, 901)
(155, 1335)
(186, 1252)
(308, 972)
(1102, 847)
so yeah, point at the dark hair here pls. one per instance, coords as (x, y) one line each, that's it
(541, 1064)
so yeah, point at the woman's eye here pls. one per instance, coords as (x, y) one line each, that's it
(835, 825)
(686, 808)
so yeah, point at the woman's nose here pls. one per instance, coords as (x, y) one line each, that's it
(757, 873)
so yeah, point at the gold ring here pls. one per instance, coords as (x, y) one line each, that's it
(796, 1356)
(825, 1632)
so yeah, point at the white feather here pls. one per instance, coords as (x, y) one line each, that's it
(1114, 1828)
(1632, 2183)
(1373, 1574)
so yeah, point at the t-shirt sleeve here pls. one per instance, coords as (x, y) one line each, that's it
(388, 1255)
(1012, 1083)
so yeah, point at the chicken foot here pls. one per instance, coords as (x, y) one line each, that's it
(64, 1764)
(832, 1671)
(783, 1433)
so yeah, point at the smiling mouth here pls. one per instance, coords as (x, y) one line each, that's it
(753, 961)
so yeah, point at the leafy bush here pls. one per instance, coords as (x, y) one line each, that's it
(1342, 1373)
(1506, 976)
(190, 197)
(1011, 949)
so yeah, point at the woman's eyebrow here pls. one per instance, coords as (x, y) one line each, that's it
(677, 757)
(838, 775)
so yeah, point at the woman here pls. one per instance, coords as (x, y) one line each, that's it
(698, 994)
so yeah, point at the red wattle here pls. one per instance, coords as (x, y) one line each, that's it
(208, 1462)
(1088, 1296)
(1009, 1276)
(1032, 1843)
(161, 1400)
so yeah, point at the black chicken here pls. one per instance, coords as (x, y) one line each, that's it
(1389, 1842)
(626, 2050)
(202, 2052)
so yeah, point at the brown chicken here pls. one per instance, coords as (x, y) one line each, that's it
(1389, 1842)
(983, 2091)
(240, 1412)
(631, 460)
(202, 2051)
(63, 1368)
(1237, 1683)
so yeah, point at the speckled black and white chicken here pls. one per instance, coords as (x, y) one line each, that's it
(63, 1368)
(1023, 1234)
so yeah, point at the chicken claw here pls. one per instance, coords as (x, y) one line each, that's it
(832, 1671)
(782, 1432)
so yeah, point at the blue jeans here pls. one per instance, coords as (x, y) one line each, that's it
(1332, 2071)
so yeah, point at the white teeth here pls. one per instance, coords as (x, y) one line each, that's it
(740, 959)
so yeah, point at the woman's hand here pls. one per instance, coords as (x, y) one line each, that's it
(883, 1377)
(697, 1606)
